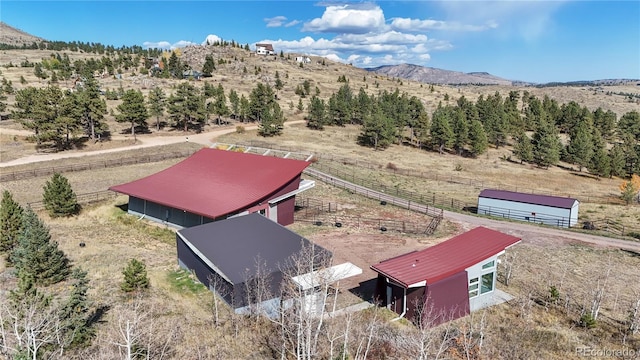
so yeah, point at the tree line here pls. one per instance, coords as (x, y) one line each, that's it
(597, 140)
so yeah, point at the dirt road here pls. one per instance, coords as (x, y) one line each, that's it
(205, 138)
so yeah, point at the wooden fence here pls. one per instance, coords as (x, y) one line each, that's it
(323, 213)
(46, 171)
(471, 182)
(83, 199)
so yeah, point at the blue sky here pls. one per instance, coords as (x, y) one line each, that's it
(538, 41)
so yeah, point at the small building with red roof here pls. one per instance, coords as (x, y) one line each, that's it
(446, 281)
(541, 209)
(214, 184)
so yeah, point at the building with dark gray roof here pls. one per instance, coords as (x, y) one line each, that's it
(236, 254)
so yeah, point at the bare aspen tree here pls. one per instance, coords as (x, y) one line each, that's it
(27, 327)
(302, 309)
(634, 317)
(216, 282)
(597, 293)
(508, 264)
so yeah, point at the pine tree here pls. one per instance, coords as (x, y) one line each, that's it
(580, 147)
(378, 130)
(523, 149)
(617, 160)
(316, 114)
(10, 223)
(460, 128)
(135, 277)
(599, 164)
(157, 102)
(477, 138)
(59, 198)
(441, 132)
(36, 256)
(133, 111)
(74, 314)
(546, 145)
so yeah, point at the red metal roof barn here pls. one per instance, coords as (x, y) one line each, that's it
(216, 184)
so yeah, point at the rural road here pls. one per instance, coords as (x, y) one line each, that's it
(523, 230)
(205, 138)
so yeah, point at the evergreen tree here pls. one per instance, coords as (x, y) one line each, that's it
(441, 132)
(378, 130)
(93, 107)
(59, 198)
(36, 256)
(477, 138)
(630, 124)
(599, 163)
(580, 148)
(220, 107)
(10, 223)
(605, 122)
(186, 107)
(460, 129)
(546, 144)
(74, 315)
(157, 102)
(523, 149)
(617, 161)
(234, 99)
(209, 66)
(133, 111)
(272, 122)
(317, 114)
(135, 277)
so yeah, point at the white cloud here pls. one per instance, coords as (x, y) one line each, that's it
(528, 20)
(292, 23)
(211, 39)
(415, 25)
(167, 45)
(276, 21)
(350, 18)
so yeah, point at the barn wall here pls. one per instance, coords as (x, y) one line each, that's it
(188, 260)
(415, 299)
(164, 214)
(447, 299)
(526, 212)
(286, 207)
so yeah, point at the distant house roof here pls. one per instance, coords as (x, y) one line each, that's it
(446, 258)
(234, 246)
(268, 47)
(214, 183)
(547, 200)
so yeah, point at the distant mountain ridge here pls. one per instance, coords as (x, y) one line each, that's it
(438, 76)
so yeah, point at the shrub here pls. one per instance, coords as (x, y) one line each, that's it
(587, 321)
(135, 276)
(392, 166)
(240, 129)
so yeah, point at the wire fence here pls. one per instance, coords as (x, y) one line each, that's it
(46, 171)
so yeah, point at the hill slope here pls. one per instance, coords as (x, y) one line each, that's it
(438, 76)
(12, 36)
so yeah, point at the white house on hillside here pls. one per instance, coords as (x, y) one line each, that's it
(265, 49)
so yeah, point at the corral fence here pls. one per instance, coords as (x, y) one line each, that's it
(83, 199)
(429, 175)
(612, 227)
(537, 218)
(132, 160)
(321, 213)
(430, 204)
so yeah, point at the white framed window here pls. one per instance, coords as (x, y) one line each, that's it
(487, 283)
(489, 265)
(473, 287)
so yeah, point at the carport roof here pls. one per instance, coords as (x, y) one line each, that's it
(215, 183)
(446, 258)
